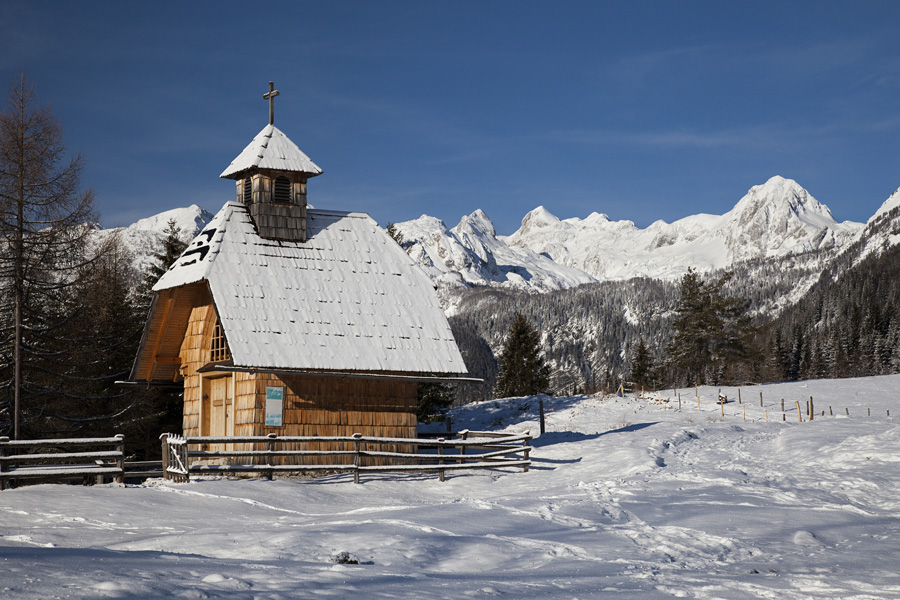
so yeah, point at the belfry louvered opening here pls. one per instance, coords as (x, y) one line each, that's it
(282, 191)
(248, 190)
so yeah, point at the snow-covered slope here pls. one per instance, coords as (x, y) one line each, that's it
(883, 229)
(142, 238)
(771, 220)
(471, 253)
(626, 498)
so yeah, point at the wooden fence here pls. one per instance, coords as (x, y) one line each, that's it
(55, 460)
(184, 456)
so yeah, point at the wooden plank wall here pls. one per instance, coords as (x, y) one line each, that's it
(328, 406)
(313, 405)
(194, 354)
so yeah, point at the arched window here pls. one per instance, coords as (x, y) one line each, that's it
(248, 190)
(282, 192)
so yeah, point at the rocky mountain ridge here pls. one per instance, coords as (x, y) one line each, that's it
(775, 219)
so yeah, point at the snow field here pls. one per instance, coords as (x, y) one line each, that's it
(626, 498)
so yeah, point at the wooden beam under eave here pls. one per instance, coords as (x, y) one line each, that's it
(163, 359)
(166, 310)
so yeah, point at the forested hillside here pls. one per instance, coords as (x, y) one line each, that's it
(819, 316)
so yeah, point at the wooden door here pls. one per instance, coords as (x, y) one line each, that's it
(218, 407)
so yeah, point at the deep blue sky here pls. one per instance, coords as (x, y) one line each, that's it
(641, 110)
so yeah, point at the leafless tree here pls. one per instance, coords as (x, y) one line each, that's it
(44, 224)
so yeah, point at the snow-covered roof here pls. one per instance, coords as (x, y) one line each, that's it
(347, 299)
(271, 149)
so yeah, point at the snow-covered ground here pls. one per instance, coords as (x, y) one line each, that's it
(627, 498)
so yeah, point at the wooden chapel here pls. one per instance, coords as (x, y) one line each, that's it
(279, 318)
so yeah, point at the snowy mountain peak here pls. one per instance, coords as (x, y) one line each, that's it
(539, 218)
(777, 218)
(142, 238)
(190, 220)
(780, 199)
(890, 204)
(476, 223)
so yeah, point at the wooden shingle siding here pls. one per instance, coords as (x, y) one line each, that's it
(313, 405)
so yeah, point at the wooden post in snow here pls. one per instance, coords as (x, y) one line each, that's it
(760, 400)
(799, 414)
(120, 459)
(739, 396)
(541, 410)
(812, 409)
(357, 444)
(164, 440)
(441, 459)
(4, 442)
(527, 452)
(270, 447)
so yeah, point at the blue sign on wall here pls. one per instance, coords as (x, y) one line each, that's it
(274, 406)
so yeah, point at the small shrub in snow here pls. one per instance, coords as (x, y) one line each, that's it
(344, 558)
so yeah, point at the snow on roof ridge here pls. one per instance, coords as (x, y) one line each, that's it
(271, 149)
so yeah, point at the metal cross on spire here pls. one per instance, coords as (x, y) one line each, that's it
(270, 96)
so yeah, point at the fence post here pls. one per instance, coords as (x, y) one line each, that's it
(527, 444)
(541, 405)
(441, 459)
(358, 443)
(120, 460)
(4, 442)
(183, 454)
(164, 441)
(270, 446)
(464, 434)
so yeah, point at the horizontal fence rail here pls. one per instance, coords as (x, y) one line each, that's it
(184, 456)
(55, 460)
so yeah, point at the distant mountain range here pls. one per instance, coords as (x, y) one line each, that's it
(776, 220)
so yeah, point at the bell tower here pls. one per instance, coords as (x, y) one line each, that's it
(270, 175)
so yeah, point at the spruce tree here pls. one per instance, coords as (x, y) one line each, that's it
(522, 368)
(170, 248)
(433, 400)
(642, 365)
(711, 331)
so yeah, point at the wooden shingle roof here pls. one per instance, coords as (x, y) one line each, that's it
(347, 299)
(271, 149)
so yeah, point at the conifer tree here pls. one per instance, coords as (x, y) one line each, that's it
(711, 331)
(433, 400)
(642, 365)
(522, 368)
(171, 247)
